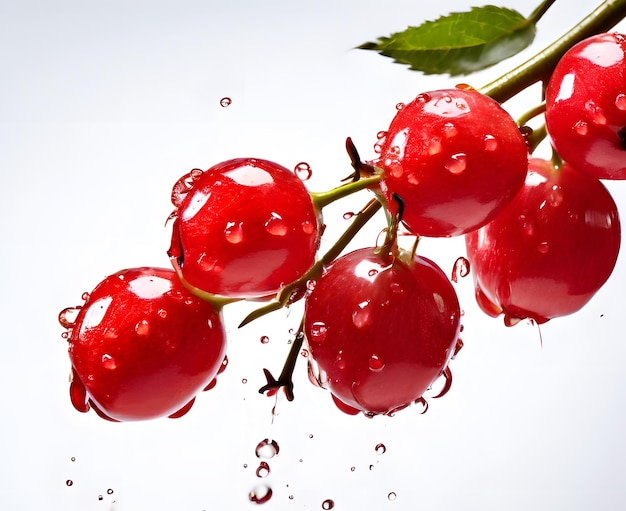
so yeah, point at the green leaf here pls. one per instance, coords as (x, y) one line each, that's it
(460, 43)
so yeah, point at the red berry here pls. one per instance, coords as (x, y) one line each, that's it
(142, 346)
(549, 251)
(586, 106)
(381, 329)
(244, 228)
(455, 158)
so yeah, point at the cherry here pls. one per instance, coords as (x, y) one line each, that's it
(243, 228)
(142, 346)
(586, 106)
(549, 251)
(381, 329)
(455, 158)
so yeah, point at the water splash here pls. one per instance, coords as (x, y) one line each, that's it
(461, 269)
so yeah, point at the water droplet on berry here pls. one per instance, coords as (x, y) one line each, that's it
(450, 130)
(318, 331)
(162, 313)
(391, 496)
(595, 113)
(461, 269)
(528, 229)
(543, 247)
(491, 144)
(206, 263)
(226, 101)
(260, 494)
(142, 327)
(308, 227)
(303, 171)
(108, 361)
(263, 470)
(380, 449)
(67, 317)
(85, 296)
(581, 128)
(234, 232)
(276, 226)
(362, 316)
(381, 135)
(556, 196)
(69, 482)
(340, 362)
(328, 504)
(423, 98)
(434, 147)
(456, 163)
(400, 106)
(372, 272)
(376, 363)
(266, 449)
(620, 101)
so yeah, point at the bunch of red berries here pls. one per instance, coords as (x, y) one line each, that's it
(381, 323)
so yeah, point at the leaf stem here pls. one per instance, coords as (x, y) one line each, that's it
(540, 67)
(540, 11)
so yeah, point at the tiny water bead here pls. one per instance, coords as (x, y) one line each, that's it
(110, 491)
(380, 448)
(263, 470)
(461, 269)
(260, 494)
(376, 363)
(264, 339)
(391, 496)
(303, 171)
(276, 226)
(457, 163)
(69, 482)
(225, 102)
(267, 449)
(234, 232)
(620, 102)
(317, 332)
(108, 361)
(328, 504)
(67, 317)
(491, 144)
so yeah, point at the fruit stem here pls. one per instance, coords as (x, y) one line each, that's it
(536, 137)
(285, 379)
(540, 67)
(323, 199)
(297, 289)
(532, 113)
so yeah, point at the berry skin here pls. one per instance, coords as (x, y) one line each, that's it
(142, 346)
(381, 329)
(586, 106)
(549, 251)
(245, 228)
(455, 158)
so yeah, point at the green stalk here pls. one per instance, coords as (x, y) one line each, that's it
(540, 11)
(540, 67)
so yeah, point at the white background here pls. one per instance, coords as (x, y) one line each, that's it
(103, 105)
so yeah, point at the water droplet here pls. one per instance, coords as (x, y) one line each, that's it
(263, 470)
(371, 467)
(456, 163)
(142, 327)
(162, 313)
(303, 171)
(620, 101)
(260, 494)
(308, 227)
(206, 263)
(362, 316)
(244, 380)
(423, 98)
(450, 130)
(264, 339)
(396, 287)
(73, 459)
(491, 144)
(67, 317)
(400, 106)
(376, 363)
(461, 269)
(595, 113)
(581, 128)
(381, 135)
(182, 186)
(234, 232)
(556, 196)
(304, 353)
(267, 449)
(108, 361)
(340, 362)
(463, 86)
(85, 296)
(328, 504)
(290, 497)
(69, 482)
(352, 469)
(225, 101)
(380, 449)
(110, 491)
(348, 215)
(543, 247)
(392, 495)
(276, 226)
(100, 497)
(527, 226)
(434, 147)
